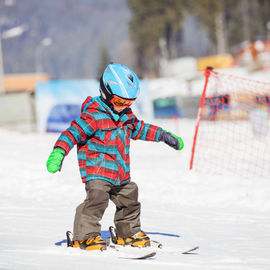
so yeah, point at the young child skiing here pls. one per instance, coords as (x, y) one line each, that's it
(102, 135)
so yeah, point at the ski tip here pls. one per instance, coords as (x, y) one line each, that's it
(148, 256)
(191, 251)
(143, 257)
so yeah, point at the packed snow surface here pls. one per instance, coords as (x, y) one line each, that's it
(228, 217)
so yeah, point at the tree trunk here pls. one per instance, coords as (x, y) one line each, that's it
(245, 16)
(220, 33)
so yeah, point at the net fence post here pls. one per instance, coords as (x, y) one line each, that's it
(207, 74)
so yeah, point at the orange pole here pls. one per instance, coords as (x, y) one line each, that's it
(207, 75)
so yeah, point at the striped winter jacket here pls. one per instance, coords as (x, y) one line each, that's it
(103, 141)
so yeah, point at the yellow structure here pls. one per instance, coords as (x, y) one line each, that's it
(23, 82)
(215, 61)
(19, 89)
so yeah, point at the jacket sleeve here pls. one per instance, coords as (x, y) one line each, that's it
(79, 130)
(144, 131)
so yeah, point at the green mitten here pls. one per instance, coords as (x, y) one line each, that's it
(171, 139)
(55, 160)
(181, 143)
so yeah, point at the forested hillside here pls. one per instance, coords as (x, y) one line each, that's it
(79, 31)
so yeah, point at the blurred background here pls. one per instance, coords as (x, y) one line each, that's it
(52, 53)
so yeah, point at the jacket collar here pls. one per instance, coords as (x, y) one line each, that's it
(123, 117)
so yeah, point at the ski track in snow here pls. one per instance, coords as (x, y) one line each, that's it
(229, 218)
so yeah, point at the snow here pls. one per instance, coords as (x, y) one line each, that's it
(228, 217)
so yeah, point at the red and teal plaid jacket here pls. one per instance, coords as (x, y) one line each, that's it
(103, 141)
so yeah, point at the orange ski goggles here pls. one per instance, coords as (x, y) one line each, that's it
(121, 102)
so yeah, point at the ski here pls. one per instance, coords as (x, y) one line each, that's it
(163, 249)
(184, 251)
(189, 251)
(129, 252)
(154, 245)
(119, 251)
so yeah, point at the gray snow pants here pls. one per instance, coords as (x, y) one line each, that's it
(90, 212)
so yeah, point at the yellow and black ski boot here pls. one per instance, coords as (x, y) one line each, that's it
(92, 243)
(139, 239)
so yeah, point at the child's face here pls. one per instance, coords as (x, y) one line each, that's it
(118, 109)
(119, 104)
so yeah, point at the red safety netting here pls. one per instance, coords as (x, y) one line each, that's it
(232, 135)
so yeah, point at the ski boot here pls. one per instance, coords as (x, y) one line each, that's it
(92, 243)
(139, 239)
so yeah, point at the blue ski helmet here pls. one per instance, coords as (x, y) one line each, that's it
(118, 80)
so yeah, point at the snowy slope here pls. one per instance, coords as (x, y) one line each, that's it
(229, 218)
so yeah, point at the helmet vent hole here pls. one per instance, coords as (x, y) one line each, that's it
(131, 77)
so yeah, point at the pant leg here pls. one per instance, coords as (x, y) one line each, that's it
(128, 209)
(90, 212)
